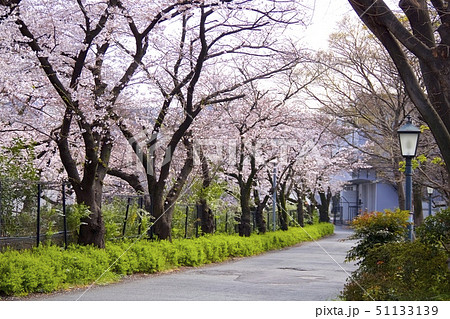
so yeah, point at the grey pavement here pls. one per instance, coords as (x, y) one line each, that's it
(309, 271)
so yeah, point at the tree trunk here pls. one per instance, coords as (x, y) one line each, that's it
(92, 229)
(207, 217)
(259, 214)
(283, 216)
(401, 196)
(417, 204)
(162, 226)
(310, 219)
(325, 199)
(245, 228)
(163, 206)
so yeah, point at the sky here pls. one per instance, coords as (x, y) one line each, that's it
(330, 11)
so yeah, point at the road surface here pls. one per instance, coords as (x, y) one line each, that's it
(309, 271)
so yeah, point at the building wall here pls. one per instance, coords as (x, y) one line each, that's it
(387, 197)
(373, 196)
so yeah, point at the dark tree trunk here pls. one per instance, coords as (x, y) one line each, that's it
(259, 214)
(400, 190)
(300, 213)
(162, 226)
(92, 229)
(325, 199)
(310, 209)
(417, 204)
(163, 206)
(207, 217)
(283, 216)
(245, 228)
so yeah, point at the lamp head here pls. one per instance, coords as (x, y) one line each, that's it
(409, 138)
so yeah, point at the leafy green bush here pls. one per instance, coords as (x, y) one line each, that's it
(49, 268)
(390, 269)
(377, 228)
(114, 213)
(400, 271)
(435, 231)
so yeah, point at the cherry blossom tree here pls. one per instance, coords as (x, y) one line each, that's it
(208, 58)
(263, 127)
(75, 60)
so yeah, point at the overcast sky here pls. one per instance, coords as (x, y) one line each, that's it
(325, 17)
(327, 13)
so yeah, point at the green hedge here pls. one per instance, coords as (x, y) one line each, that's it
(50, 268)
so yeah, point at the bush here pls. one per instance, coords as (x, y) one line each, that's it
(49, 268)
(390, 269)
(435, 231)
(400, 271)
(377, 228)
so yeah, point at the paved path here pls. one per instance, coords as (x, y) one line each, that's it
(304, 272)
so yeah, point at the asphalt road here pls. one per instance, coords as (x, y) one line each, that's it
(309, 271)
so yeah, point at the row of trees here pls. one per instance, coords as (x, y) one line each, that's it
(144, 92)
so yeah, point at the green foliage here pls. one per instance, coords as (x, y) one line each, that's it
(435, 231)
(18, 176)
(49, 268)
(75, 213)
(214, 197)
(400, 271)
(114, 214)
(16, 161)
(394, 270)
(377, 228)
(419, 160)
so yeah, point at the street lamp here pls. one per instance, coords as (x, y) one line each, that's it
(409, 136)
(430, 191)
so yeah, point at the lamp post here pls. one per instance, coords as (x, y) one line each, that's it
(409, 136)
(430, 191)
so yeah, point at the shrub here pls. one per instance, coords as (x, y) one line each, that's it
(400, 271)
(435, 231)
(377, 228)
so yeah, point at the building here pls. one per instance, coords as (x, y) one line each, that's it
(365, 192)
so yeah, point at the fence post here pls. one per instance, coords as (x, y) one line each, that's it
(197, 220)
(141, 204)
(126, 216)
(226, 222)
(38, 220)
(254, 220)
(186, 222)
(1, 210)
(64, 213)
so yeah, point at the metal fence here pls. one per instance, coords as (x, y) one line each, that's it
(33, 213)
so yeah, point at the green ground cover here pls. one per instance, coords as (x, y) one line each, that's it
(50, 268)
